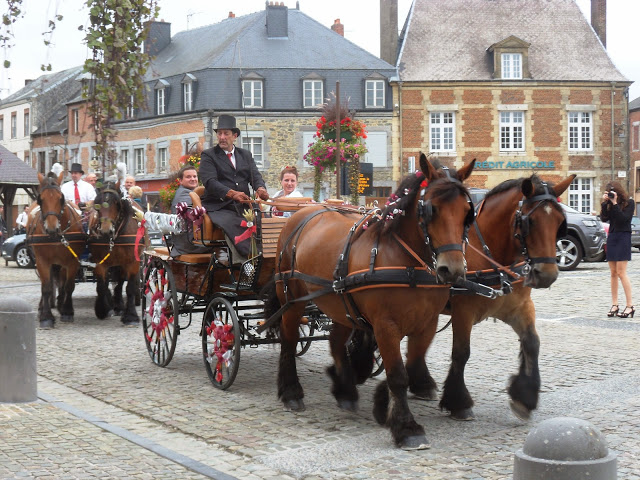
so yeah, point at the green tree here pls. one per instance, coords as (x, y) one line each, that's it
(116, 34)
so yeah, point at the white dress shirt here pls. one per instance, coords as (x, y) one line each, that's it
(86, 190)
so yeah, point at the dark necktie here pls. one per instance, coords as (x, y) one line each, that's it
(76, 193)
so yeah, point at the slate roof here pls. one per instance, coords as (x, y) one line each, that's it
(448, 40)
(14, 171)
(634, 104)
(41, 85)
(242, 42)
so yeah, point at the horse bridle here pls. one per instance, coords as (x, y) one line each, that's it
(117, 223)
(58, 214)
(522, 222)
(425, 213)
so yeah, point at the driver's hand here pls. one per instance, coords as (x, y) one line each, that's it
(262, 193)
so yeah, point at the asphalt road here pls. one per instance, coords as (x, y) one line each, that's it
(105, 411)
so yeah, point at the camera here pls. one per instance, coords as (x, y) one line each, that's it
(610, 194)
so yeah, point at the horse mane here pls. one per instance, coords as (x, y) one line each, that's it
(517, 183)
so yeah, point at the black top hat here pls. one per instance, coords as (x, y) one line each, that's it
(227, 122)
(76, 167)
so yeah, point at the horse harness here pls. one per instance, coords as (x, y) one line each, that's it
(345, 283)
(503, 276)
(115, 237)
(65, 238)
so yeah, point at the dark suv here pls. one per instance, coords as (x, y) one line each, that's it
(585, 238)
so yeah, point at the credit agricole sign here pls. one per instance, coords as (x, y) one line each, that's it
(520, 164)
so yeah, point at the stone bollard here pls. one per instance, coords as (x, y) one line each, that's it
(18, 375)
(564, 448)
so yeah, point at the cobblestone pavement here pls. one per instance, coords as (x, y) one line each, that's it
(105, 411)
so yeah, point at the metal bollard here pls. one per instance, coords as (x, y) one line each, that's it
(564, 448)
(18, 375)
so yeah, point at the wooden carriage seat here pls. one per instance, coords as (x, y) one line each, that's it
(271, 228)
(292, 204)
(208, 232)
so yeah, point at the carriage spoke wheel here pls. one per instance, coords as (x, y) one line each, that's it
(221, 342)
(160, 312)
(305, 330)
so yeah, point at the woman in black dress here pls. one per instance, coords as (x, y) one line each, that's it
(617, 209)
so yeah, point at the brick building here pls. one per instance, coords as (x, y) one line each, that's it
(520, 85)
(634, 150)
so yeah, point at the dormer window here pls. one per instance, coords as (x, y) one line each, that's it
(510, 59)
(312, 90)
(188, 91)
(252, 91)
(375, 89)
(162, 96)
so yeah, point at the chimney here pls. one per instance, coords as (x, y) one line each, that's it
(232, 15)
(389, 30)
(599, 19)
(338, 27)
(158, 38)
(277, 20)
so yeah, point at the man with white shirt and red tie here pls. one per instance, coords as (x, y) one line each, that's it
(77, 190)
(226, 172)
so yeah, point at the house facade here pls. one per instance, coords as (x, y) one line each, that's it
(523, 87)
(272, 70)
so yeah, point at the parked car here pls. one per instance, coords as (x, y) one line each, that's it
(16, 249)
(635, 232)
(585, 240)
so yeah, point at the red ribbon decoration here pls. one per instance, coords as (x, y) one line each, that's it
(139, 235)
(247, 233)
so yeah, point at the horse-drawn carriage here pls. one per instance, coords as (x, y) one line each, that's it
(378, 276)
(176, 286)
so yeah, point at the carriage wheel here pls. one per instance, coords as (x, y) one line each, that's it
(160, 312)
(305, 330)
(378, 366)
(221, 341)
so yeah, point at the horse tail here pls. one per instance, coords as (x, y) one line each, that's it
(361, 352)
(271, 303)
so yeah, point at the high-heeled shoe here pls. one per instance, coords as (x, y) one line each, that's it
(614, 311)
(626, 314)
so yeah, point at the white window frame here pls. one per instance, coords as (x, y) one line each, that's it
(27, 124)
(580, 133)
(254, 142)
(312, 93)
(139, 163)
(511, 66)
(252, 93)
(187, 96)
(512, 131)
(581, 194)
(14, 125)
(160, 97)
(162, 158)
(130, 108)
(442, 132)
(375, 91)
(76, 120)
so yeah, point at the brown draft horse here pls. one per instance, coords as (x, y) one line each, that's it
(519, 221)
(399, 265)
(54, 232)
(112, 243)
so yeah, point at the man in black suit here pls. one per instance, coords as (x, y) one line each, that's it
(226, 172)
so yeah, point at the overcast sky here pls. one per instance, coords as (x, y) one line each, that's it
(360, 19)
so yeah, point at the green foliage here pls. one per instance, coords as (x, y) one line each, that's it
(116, 37)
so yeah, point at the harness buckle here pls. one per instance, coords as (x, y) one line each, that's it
(526, 269)
(338, 286)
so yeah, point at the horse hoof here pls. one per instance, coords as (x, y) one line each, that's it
(46, 324)
(131, 323)
(117, 312)
(429, 396)
(415, 442)
(464, 415)
(520, 411)
(66, 318)
(348, 405)
(294, 405)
